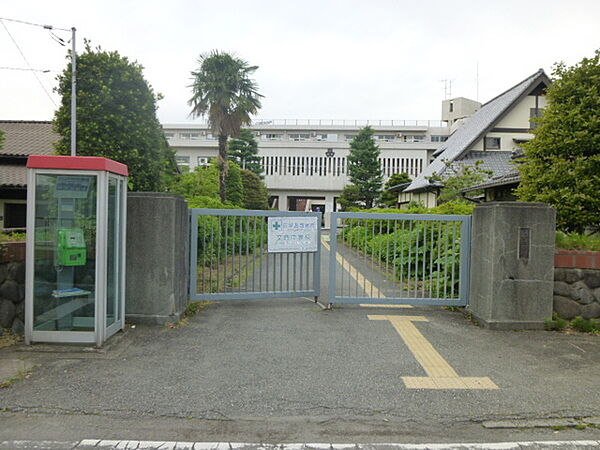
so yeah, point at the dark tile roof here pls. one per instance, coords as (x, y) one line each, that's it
(475, 128)
(498, 162)
(27, 138)
(13, 175)
(508, 178)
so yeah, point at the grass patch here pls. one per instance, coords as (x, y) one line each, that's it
(191, 310)
(8, 236)
(7, 339)
(20, 376)
(194, 308)
(576, 241)
(585, 325)
(557, 323)
(578, 324)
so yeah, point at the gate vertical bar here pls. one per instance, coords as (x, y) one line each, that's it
(317, 266)
(465, 260)
(193, 255)
(332, 255)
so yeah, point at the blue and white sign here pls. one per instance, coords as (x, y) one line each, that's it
(293, 234)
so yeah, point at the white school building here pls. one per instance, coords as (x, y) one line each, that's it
(305, 161)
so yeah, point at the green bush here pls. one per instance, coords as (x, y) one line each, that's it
(9, 236)
(427, 250)
(557, 323)
(585, 325)
(576, 241)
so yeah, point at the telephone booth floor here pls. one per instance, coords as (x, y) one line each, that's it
(75, 281)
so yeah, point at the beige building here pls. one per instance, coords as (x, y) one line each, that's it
(490, 133)
(305, 161)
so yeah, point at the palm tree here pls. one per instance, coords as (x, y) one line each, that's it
(227, 96)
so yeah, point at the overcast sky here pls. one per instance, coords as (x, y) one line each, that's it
(349, 59)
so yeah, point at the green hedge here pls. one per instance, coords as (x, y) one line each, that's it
(427, 250)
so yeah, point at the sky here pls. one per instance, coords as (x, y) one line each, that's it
(378, 59)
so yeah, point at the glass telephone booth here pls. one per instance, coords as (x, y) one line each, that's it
(75, 265)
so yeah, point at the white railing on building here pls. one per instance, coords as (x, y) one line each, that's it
(330, 122)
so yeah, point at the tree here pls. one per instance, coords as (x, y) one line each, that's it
(244, 152)
(203, 181)
(234, 185)
(350, 198)
(255, 191)
(116, 117)
(462, 176)
(388, 198)
(363, 166)
(223, 92)
(562, 161)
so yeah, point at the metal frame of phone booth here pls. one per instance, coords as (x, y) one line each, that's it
(75, 260)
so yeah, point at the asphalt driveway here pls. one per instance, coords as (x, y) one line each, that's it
(287, 370)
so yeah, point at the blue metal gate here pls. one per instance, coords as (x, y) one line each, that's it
(233, 258)
(411, 259)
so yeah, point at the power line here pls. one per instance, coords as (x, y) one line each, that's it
(26, 70)
(47, 27)
(29, 65)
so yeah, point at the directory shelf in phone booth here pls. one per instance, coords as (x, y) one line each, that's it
(75, 278)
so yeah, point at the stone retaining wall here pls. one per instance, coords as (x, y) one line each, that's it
(12, 287)
(577, 284)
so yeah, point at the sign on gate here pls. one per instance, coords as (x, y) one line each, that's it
(293, 234)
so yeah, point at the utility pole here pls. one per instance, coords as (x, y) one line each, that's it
(73, 95)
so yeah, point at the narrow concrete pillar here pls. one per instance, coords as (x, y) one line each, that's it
(329, 209)
(512, 264)
(283, 202)
(157, 258)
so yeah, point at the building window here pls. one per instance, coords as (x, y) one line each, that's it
(271, 136)
(349, 137)
(299, 136)
(439, 138)
(384, 137)
(169, 135)
(491, 143)
(451, 106)
(182, 161)
(189, 136)
(413, 138)
(203, 160)
(211, 137)
(534, 113)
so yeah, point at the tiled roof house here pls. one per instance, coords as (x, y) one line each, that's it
(21, 139)
(490, 135)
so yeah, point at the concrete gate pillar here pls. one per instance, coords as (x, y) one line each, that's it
(512, 264)
(157, 258)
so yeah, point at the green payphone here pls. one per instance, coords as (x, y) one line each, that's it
(71, 247)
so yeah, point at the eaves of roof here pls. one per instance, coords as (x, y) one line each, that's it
(476, 127)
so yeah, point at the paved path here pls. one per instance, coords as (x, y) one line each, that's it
(286, 371)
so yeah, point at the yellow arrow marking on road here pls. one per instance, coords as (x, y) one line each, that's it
(441, 375)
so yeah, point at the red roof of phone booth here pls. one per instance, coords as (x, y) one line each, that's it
(76, 163)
